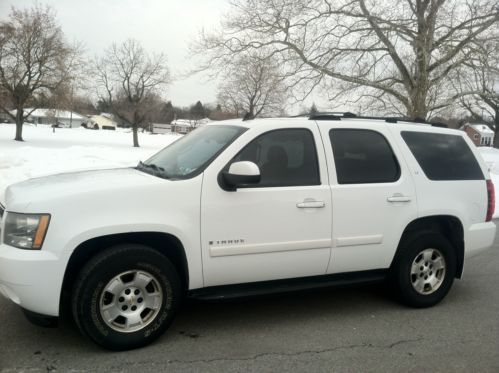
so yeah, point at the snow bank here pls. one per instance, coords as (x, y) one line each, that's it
(44, 152)
(491, 158)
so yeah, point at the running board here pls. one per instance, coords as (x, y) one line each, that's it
(287, 285)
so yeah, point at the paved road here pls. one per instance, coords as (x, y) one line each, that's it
(352, 330)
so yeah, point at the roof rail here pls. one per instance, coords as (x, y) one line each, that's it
(349, 115)
(332, 115)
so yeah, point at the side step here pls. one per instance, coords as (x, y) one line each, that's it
(288, 285)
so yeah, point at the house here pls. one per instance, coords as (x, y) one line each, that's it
(52, 116)
(184, 126)
(480, 134)
(102, 121)
(161, 128)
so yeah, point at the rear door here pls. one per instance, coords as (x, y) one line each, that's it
(372, 192)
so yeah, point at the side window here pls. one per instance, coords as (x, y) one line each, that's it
(286, 157)
(363, 156)
(442, 156)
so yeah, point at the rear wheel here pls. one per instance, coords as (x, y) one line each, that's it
(424, 270)
(126, 297)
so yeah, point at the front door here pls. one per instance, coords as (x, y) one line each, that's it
(279, 228)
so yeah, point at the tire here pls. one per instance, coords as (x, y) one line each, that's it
(424, 269)
(126, 297)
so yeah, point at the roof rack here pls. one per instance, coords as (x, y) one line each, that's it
(349, 115)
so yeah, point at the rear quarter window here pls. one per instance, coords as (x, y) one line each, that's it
(442, 156)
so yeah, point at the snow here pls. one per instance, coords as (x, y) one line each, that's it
(190, 121)
(44, 152)
(60, 114)
(491, 158)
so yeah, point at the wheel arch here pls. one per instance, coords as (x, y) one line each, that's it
(449, 226)
(165, 243)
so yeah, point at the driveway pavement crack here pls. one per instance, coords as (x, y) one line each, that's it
(288, 354)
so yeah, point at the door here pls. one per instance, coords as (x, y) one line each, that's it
(373, 195)
(278, 228)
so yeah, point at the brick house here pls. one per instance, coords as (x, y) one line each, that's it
(480, 134)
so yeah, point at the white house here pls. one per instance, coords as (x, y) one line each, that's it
(161, 128)
(187, 125)
(52, 116)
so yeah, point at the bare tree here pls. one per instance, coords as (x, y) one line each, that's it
(35, 60)
(251, 86)
(398, 53)
(129, 80)
(481, 75)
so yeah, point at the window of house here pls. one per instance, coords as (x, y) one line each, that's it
(363, 156)
(286, 157)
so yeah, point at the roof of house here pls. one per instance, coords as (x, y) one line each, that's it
(483, 129)
(107, 115)
(191, 123)
(59, 114)
(103, 120)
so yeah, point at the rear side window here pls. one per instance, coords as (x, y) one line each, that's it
(443, 157)
(286, 157)
(363, 156)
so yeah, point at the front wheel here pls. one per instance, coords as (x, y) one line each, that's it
(126, 297)
(424, 270)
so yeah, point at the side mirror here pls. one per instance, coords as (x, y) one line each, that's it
(239, 174)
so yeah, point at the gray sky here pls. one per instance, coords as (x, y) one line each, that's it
(160, 25)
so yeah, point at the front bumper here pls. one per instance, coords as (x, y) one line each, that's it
(31, 279)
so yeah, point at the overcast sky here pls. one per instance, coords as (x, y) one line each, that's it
(160, 25)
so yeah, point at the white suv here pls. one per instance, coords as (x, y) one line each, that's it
(245, 207)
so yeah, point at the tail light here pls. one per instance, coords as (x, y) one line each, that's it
(491, 205)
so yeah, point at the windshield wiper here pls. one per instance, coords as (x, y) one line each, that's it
(153, 169)
(151, 165)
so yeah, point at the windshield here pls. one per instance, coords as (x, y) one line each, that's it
(191, 154)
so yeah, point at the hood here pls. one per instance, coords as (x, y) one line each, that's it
(19, 197)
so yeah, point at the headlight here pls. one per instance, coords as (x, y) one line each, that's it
(25, 231)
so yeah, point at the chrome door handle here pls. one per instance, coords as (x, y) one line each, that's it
(397, 197)
(311, 204)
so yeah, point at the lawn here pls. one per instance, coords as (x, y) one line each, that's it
(46, 152)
